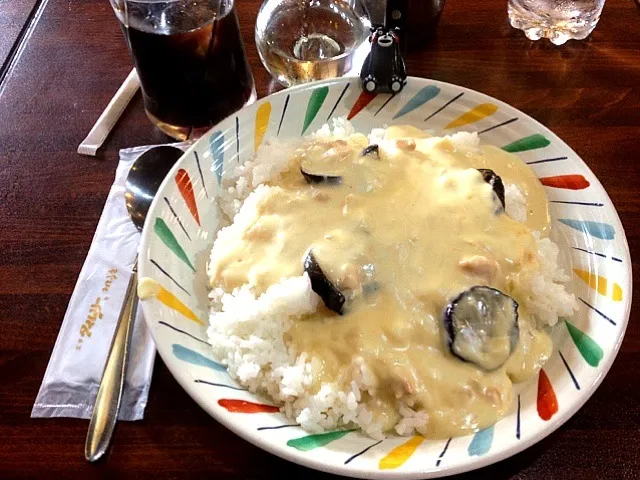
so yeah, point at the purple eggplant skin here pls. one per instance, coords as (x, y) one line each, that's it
(313, 178)
(332, 297)
(495, 181)
(369, 149)
(483, 297)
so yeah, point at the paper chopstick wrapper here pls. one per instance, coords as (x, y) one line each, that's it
(72, 378)
(110, 115)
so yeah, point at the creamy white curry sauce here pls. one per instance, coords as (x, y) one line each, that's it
(405, 231)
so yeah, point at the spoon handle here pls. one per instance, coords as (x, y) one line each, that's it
(107, 404)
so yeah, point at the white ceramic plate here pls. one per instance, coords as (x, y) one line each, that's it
(183, 221)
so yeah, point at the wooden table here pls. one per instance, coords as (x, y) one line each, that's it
(64, 60)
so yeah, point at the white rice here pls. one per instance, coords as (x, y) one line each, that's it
(247, 332)
(271, 159)
(548, 300)
(515, 203)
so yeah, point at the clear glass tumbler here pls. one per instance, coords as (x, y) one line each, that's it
(190, 59)
(557, 20)
(304, 40)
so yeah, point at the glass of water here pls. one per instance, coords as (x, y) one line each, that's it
(557, 20)
(304, 40)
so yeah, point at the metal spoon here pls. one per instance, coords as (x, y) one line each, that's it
(143, 181)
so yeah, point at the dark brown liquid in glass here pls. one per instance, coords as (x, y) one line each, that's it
(195, 75)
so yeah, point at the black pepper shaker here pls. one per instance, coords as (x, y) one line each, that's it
(416, 19)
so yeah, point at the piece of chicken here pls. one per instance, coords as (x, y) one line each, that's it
(479, 265)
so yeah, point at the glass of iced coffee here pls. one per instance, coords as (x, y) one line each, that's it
(190, 60)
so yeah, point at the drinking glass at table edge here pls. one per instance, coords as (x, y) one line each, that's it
(190, 60)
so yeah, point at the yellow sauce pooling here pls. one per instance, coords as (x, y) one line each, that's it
(402, 235)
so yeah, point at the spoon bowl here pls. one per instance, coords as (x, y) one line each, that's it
(144, 179)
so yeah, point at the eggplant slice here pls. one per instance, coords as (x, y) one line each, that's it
(314, 178)
(482, 327)
(495, 181)
(332, 297)
(368, 150)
